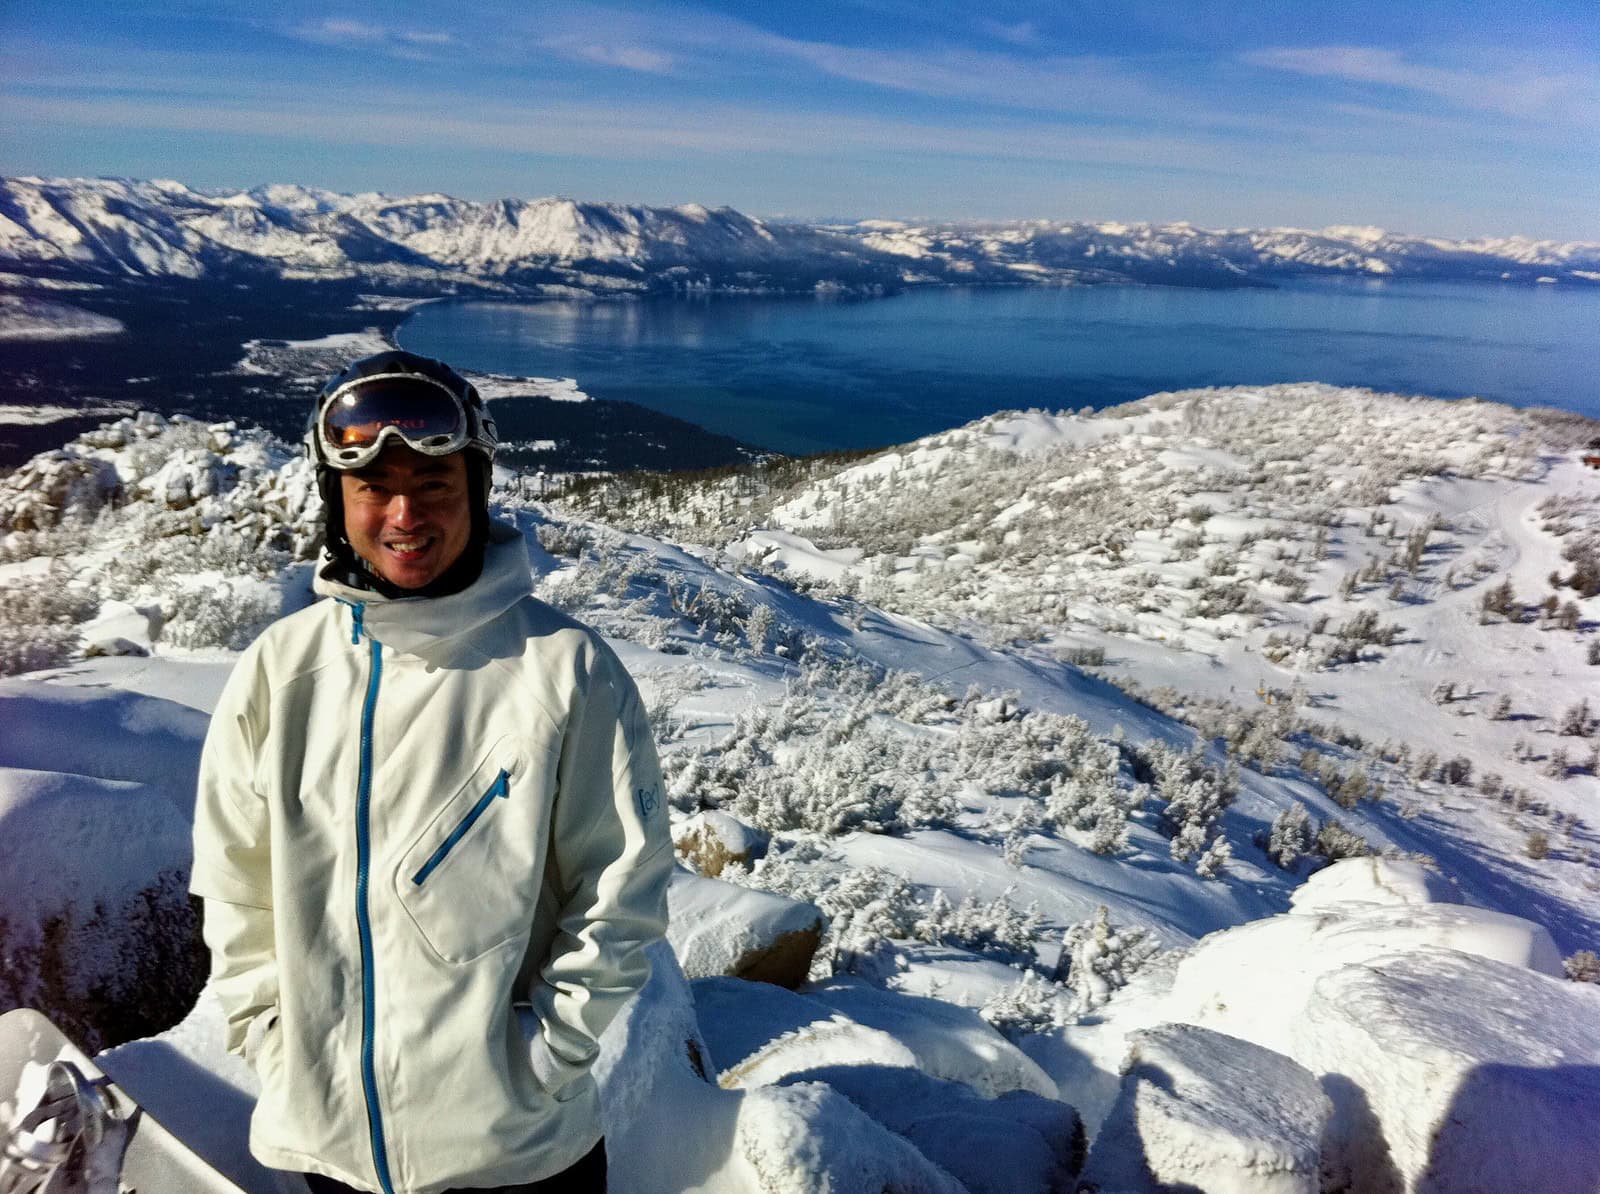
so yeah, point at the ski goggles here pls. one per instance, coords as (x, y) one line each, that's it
(360, 417)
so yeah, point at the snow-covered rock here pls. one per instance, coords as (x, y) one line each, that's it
(96, 808)
(712, 839)
(761, 1034)
(55, 485)
(721, 928)
(1030, 1144)
(933, 1073)
(669, 1130)
(1456, 1072)
(121, 629)
(1199, 1110)
(1373, 880)
(810, 1139)
(1254, 981)
(949, 1042)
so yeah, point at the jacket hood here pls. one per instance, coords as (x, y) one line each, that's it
(415, 624)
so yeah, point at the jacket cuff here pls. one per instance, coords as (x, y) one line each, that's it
(257, 1032)
(553, 1073)
(216, 883)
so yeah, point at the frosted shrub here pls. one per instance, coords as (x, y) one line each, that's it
(39, 622)
(865, 908)
(1576, 721)
(869, 908)
(1083, 656)
(664, 689)
(1096, 959)
(1194, 796)
(845, 751)
(843, 771)
(227, 616)
(1584, 967)
(758, 627)
(1290, 837)
(1212, 860)
(1334, 841)
(1033, 1005)
(995, 928)
(1425, 766)
(568, 539)
(716, 612)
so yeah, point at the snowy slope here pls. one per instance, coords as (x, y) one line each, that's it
(1023, 868)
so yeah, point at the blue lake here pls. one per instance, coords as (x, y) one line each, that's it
(802, 375)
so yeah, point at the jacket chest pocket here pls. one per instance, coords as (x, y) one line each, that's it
(471, 878)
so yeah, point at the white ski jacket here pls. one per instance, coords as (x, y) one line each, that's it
(432, 843)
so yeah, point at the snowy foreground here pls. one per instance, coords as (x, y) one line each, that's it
(1191, 795)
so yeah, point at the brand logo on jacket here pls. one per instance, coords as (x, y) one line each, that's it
(649, 799)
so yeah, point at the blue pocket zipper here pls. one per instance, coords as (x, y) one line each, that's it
(501, 787)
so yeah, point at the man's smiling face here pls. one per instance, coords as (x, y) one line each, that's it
(408, 515)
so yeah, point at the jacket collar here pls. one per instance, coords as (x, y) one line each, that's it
(417, 625)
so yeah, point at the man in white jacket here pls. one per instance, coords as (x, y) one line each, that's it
(430, 832)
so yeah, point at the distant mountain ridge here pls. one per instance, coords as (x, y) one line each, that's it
(440, 244)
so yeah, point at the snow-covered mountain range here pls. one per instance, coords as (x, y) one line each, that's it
(112, 227)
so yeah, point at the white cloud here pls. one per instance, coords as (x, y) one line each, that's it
(1019, 33)
(686, 41)
(422, 38)
(331, 31)
(405, 43)
(644, 132)
(628, 57)
(1530, 92)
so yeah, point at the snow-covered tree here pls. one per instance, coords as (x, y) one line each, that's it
(1096, 959)
(1291, 836)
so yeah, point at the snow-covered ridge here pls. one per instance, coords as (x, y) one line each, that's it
(1052, 913)
(165, 229)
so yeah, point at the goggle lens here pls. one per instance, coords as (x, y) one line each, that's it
(425, 416)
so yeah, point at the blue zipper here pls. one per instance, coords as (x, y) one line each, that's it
(357, 618)
(369, 1073)
(501, 788)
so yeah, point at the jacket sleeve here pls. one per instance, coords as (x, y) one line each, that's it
(233, 862)
(611, 857)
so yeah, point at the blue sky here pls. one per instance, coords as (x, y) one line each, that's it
(1459, 119)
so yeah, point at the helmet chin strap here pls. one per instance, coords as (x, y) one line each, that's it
(349, 568)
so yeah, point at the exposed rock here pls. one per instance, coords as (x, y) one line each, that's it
(712, 839)
(53, 486)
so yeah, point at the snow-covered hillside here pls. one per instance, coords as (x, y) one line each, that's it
(558, 246)
(1198, 792)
